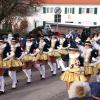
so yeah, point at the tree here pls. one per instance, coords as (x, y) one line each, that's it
(22, 27)
(16, 7)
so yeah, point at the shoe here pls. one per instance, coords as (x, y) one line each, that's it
(62, 71)
(1, 92)
(51, 71)
(42, 78)
(40, 75)
(53, 74)
(28, 83)
(58, 68)
(14, 86)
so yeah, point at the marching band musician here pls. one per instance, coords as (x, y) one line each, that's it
(53, 54)
(73, 72)
(5, 53)
(34, 52)
(88, 54)
(42, 56)
(96, 63)
(63, 51)
(14, 59)
(2, 83)
(27, 60)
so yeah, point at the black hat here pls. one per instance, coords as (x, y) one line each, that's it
(73, 46)
(28, 39)
(14, 40)
(1, 39)
(88, 43)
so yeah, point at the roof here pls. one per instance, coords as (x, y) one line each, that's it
(71, 2)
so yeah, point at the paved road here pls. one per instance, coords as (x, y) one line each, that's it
(50, 89)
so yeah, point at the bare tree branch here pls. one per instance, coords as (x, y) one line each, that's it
(16, 7)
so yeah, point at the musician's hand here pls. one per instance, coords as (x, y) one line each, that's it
(19, 58)
(81, 69)
(5, 59)
(45, 52)
(77, 72)
(25, 53)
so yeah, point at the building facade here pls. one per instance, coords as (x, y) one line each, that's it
(70, 13)
(61, 14)
(82, 15)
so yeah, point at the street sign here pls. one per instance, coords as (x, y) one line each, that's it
(57, 10)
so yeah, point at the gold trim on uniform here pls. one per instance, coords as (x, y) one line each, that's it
(27, 58)
(54, 53)
(98, 66)
(16, 63)
(1, 63)
(73, 74)
(63, 51)
(90, 70)
(7, 63)
(42, 57)
(68, 76)
(12, 63)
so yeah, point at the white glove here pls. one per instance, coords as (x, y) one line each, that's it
(77, 72)
(92, 64)
(25, 53)
(94, 59)
(67, 68)
(19, 58)
(51, 49)
(8, 57)
(81, 69)
(5, 59)
(37, 51)
(77, 40)
(45, 52)
(59, 47)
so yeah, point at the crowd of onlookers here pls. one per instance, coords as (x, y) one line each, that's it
(84, 91)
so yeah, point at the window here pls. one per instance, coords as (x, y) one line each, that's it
(48, 10)
(94, 23)
(69, 10)
(91, 10)
(79, 22)
(95, 10)
(80, 10)
(65, 10)
(57, 18)
(73, 11)
(51, 10)
(44, 9)
(87, 10)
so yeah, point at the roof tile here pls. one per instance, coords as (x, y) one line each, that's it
(71, 1)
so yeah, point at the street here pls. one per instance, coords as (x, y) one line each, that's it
(50, 89)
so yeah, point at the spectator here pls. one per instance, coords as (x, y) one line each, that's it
(95, 90)
(75, 34)
(84, 35)
(79, 91)
(69, 35)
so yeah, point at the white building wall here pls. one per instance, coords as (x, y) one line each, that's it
(85, 19)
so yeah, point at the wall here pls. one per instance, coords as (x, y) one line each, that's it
(85, 19)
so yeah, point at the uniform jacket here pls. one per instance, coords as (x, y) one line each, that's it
(6, 50)
(18, 52)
